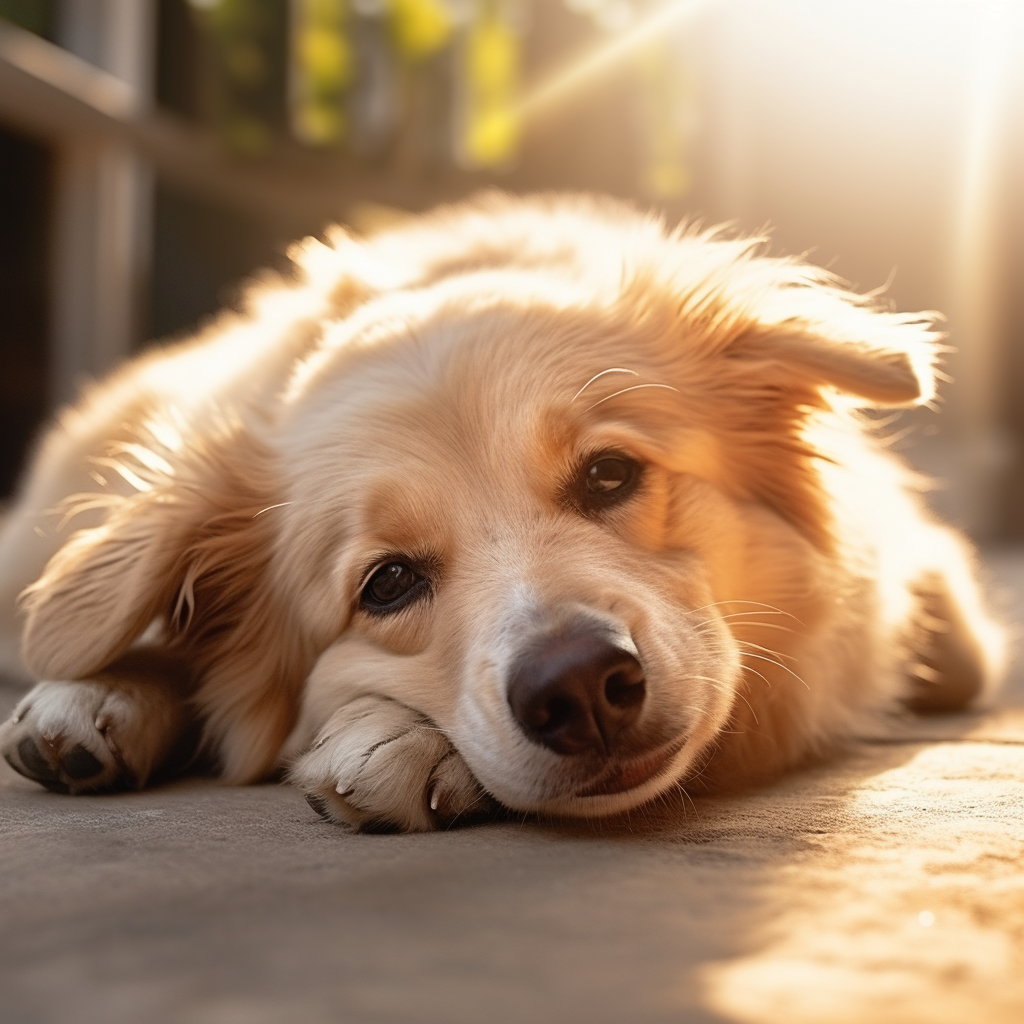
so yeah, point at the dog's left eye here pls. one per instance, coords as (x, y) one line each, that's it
(606, 479)
(392, 587)
(609, 474)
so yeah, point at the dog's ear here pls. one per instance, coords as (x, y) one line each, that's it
(775, 347)
(106, 585)
(898, 369)
(822, 332)
(190, 511)
(188, 555)
(784, 319)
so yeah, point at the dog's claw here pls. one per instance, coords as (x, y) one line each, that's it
(319, 804)
(381, 766)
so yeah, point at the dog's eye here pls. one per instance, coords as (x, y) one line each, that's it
(609, 474)
(606, 479)
(392, 587)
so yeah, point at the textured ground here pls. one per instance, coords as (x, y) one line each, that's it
(886, 886)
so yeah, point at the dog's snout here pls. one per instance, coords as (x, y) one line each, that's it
(577, 693)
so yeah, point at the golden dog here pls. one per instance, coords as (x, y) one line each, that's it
(527, 501)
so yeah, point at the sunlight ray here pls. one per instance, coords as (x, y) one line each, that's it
(578, 74)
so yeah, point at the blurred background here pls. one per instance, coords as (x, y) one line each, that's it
(154, 153)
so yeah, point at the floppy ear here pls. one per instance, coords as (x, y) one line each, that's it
(108, 584)
(782, 353)
(790, 321)
(191, 551)
(105, 586)
(824, 335)
(899, 374)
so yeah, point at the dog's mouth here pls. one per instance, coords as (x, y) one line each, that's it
(622, 776)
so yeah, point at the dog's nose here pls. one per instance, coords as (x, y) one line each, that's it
(577, 693)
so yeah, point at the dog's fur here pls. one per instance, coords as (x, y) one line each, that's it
(435, 395)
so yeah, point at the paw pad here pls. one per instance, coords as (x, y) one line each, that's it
(78, 763)
(35, 766)
(60, 770)
(53, 738)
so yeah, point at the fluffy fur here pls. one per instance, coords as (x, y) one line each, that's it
(434, 396)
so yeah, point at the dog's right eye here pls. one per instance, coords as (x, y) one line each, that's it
(391, 587)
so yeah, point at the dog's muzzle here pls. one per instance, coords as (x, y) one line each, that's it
(578, 691)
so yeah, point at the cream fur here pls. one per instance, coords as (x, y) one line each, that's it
(427, 393)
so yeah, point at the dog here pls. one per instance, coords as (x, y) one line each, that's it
(525, 503)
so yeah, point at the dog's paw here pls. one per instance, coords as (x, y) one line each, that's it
(82, 737)
(380, 766)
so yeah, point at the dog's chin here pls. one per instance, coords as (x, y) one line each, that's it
(623, 785)
(623, 776)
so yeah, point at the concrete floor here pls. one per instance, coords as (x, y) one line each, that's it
(884, 886)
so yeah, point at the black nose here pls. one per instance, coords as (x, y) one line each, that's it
(577, 693)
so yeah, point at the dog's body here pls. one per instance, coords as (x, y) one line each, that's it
(527, 500)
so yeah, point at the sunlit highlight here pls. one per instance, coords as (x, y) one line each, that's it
(975, 278)
(972, 249)
(844, 937)
(569, 80)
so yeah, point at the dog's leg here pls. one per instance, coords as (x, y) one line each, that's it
(959, 651)
(381, 766)
(114, 731)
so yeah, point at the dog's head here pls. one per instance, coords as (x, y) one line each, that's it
(532, 502)
(530, 496)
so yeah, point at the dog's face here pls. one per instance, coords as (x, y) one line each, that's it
(501, 506)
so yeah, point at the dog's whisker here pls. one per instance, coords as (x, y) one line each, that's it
(708, 627)
(750, 668)
(709, 679)
(598, 376)
(686, 796)
(778, 664)
(766, 650)
(768, 608)
(280, 504)
(622, 391)
(748, 615)
(752, 619)
(741, 619)
(753, 713)
(750, 645)
(765, 625)
(724, 687)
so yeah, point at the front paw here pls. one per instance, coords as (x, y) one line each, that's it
(98, 735)
(380, 766)
(61, 735)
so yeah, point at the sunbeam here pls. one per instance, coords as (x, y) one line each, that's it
(564, 83)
